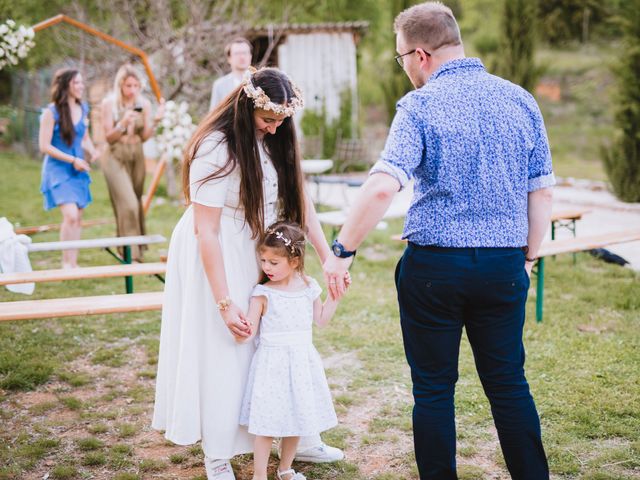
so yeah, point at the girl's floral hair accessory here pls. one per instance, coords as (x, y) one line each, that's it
(287, 241)
(261, 100)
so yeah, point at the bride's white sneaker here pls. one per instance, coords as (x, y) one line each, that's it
(319, 454)
(218, 469)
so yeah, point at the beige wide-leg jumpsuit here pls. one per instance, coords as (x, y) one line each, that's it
(124, 170)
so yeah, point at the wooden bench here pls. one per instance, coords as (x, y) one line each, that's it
(575, 245)
(31, 230)
(62, 307)
(566, 218)
(105, 271)
(105, 243)
(96, 243)
(66, 307)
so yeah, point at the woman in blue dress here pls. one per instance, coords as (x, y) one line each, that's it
(65, 174)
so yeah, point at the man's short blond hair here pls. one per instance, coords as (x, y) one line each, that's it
(431, 24)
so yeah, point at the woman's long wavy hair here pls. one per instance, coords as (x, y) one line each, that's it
(60, 98)
(234, 119)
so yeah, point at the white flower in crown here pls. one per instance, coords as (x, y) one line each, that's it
(261, 100)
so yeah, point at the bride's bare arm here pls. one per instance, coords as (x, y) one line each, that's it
(316, 235)
(207, 228)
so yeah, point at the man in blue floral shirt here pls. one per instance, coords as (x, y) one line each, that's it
(477, 149)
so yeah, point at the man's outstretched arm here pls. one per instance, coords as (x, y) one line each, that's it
(372, 202)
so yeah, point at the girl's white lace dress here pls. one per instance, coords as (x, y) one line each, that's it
(287, 393)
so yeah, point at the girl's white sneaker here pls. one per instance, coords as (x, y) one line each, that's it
(293, 475)
(218, 469)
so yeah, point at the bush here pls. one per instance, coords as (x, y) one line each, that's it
(622, 159)
(517, 43)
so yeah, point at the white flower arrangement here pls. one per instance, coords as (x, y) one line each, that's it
(175, 130)
(15, 42)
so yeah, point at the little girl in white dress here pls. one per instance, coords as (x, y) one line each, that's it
(287, 394)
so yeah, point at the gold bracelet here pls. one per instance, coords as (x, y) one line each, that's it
(224, 304)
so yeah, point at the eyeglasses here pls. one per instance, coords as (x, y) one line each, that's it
(400, 60)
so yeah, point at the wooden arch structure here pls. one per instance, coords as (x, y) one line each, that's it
(145, 61)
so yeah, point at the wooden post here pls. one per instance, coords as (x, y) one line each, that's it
(153, 186)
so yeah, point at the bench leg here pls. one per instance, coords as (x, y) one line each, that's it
(572, 227)
(128, 281)
(540, 290)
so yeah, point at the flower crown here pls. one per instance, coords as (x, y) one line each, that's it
(288, 243)
(261, 100)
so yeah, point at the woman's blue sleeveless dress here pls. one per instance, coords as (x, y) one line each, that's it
(61, 183)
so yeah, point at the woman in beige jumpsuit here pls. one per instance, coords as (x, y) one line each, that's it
(127, 123)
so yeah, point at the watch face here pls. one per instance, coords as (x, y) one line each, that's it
(336, 250)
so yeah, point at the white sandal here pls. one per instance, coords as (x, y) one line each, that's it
(291, 471)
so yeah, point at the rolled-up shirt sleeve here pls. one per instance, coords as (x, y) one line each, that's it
(403, 150)
(540, 166)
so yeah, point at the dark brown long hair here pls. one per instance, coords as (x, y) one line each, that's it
(234, 119)
(60, 98)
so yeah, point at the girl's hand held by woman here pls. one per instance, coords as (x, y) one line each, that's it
(236, 322)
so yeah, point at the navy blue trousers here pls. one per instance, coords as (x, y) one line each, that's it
(484, 290)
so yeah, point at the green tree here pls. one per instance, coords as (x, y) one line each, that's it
(622, 159)
(393, 81)
(562, 21)
(515, 61)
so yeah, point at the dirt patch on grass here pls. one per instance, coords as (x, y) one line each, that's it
(29, 399)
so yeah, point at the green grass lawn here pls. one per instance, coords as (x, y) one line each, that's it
(76, 394)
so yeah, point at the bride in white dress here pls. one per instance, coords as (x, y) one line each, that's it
(241, 173)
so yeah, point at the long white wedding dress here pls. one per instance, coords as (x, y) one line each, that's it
(202, 371)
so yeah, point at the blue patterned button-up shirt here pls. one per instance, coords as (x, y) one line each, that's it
(476, 145)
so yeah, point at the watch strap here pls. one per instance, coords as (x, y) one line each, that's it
(339, 251)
